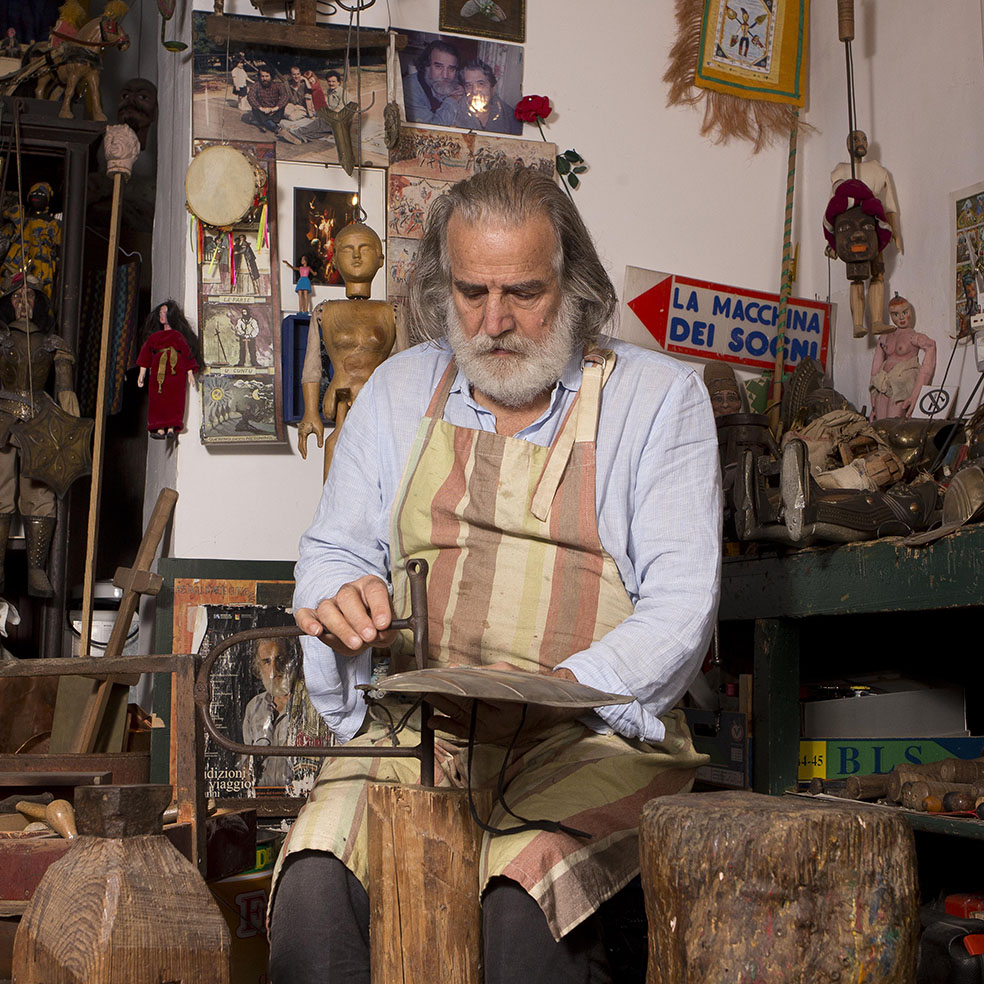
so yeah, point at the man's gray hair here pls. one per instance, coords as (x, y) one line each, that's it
(511, 197)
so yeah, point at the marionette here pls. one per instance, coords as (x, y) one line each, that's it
(897, 377)
(358, 335)
(170, 353)
(881, 188)
(42, 235)
(303, 287)
(31, 356)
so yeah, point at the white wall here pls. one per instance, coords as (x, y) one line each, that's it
(658, 196)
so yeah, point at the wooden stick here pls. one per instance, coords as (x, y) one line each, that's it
(786, 281)
(95, 487)
(131, 578)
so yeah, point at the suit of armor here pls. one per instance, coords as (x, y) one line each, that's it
(28, 357)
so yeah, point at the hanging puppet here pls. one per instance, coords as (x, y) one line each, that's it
(170, 355)
(42, 236)
(856, 231)
(881, 187)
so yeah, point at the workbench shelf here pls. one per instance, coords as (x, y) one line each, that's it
(793, 598)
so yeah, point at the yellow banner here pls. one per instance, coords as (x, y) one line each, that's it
(755, 49)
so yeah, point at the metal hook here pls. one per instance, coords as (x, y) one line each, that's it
(364, 5)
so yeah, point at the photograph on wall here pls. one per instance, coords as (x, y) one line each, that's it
(294, 97)
(967, 232)
(258, 695)
(502, 19)
(315, 202)
(462, 82)
(423, 165)
(240, 408)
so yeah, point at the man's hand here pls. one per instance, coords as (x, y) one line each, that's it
(498, 721)
(358, 616)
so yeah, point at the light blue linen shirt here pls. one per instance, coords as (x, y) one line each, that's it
(659, 506)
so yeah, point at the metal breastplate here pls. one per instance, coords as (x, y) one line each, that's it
(23, 368)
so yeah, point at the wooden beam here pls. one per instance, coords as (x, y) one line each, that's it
(302, 33)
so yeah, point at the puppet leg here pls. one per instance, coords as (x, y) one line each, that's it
(857, 308)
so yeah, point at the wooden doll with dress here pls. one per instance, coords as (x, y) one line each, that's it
(169, 355)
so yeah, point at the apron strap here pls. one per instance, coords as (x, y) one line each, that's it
(436, 407)
(581, 426)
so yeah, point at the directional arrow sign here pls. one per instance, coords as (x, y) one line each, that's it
(711, 321)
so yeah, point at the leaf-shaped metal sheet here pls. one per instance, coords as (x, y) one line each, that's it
(483, 683)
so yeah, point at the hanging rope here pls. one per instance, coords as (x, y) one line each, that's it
(785, 280)
(845, 31)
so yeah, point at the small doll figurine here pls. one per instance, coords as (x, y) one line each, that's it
(170, 349)
(303, 287)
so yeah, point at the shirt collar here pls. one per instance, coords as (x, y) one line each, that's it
(570, 381)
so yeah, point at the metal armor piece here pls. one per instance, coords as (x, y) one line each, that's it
(25, 363)
(780, 502)
(55, 447)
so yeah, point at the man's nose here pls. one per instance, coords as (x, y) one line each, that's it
(498, 317)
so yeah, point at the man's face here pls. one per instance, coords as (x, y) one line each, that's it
(23, 301)
(507, 323)
(901, 315)
(857, 144)
(38, 200)
(332, 82)
(295, 75)
(274, 679)
(265, 79)
(357, 256)
(478, 92)
(441, 73)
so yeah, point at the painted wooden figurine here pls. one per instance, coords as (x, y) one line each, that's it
(303, 288)
(897, 377)
(169, 354)
(358, 335)
(879, 181)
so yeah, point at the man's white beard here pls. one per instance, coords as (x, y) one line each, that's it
(442, 88)
(515, 382)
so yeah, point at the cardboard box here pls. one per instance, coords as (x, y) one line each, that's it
(843, 757)
(724, 737)
(901, 708)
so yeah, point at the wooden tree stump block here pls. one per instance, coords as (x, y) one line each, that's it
(122, 909)
(742, 888)
(425, 917)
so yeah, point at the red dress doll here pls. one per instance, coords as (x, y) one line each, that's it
(169, 354)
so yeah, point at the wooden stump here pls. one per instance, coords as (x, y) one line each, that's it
(123, 906)
(747, 888)
(425, 913)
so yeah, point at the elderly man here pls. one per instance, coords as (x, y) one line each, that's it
(479, 107)
(268, 99)
(436, 78)
(564, 488)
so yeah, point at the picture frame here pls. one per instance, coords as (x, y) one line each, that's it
(219, 105)
(305, 192)
(200, 602)
(966, 258)
(426, 53)
(502, 19)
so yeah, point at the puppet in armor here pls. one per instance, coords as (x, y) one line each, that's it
(31, 353)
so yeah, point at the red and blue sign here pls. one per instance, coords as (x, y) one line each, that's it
(704, 320)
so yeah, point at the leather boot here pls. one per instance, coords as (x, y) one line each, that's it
(5, 521)
(38, 531)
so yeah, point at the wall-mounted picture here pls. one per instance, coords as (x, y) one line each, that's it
(257, 688)
(967, 225)
(502, 19)
(461, 82)
(248, 92)
(315, 203)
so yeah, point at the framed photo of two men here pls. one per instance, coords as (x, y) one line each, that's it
(505, 19)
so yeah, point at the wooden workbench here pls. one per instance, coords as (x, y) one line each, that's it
(792, 593)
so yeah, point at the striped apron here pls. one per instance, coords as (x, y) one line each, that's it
(517, 574)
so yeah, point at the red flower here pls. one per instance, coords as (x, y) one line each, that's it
(532, 109)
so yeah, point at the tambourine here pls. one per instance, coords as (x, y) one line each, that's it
(221, 185)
